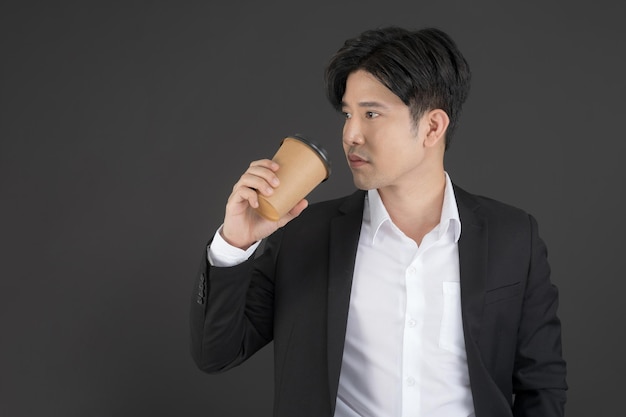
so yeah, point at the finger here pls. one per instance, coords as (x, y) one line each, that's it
(244, 194)
(254, 183)
(268, 175)
(266, 163)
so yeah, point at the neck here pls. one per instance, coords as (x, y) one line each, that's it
(416, 209)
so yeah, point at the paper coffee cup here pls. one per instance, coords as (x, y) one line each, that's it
(303, 165)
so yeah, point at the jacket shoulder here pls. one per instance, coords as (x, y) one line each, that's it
(494, 210)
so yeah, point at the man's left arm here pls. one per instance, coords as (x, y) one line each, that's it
(539, 375)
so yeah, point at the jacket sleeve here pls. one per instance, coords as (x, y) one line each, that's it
(539, 372)
(231, 315)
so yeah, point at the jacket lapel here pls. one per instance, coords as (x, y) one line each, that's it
(344, 239)
(473, 258)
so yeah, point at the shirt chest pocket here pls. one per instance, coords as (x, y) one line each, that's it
(451, 331)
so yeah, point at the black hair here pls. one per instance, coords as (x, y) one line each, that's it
(424, 68)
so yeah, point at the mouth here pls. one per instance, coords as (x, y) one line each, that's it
(356, 161)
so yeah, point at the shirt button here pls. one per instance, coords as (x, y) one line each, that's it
(411, 270)
(410, 381)
(412, 322)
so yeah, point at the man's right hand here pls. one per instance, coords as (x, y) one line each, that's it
(243, 226)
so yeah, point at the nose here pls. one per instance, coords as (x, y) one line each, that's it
(352, 132)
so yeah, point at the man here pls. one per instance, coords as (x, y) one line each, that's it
(410, 297)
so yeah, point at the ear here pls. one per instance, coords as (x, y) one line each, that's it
(436, 122)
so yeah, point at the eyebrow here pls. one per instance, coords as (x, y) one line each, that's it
(373, 104)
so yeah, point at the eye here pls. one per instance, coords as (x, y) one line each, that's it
(347, 115)
(371, 115)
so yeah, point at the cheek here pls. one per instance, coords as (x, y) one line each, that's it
(396, 152)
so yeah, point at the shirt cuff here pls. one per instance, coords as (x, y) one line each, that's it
(220, 253)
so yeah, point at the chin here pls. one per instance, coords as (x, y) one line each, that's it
(362, 185)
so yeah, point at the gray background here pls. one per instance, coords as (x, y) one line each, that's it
(124, 125)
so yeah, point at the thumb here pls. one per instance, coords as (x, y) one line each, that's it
(293, 213)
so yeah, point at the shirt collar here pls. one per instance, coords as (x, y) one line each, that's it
(449, 212)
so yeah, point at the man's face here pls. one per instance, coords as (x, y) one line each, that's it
(383, 146)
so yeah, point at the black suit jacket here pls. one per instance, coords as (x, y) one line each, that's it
(297, 293)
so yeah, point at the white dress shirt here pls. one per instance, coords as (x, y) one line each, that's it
(404, 351)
